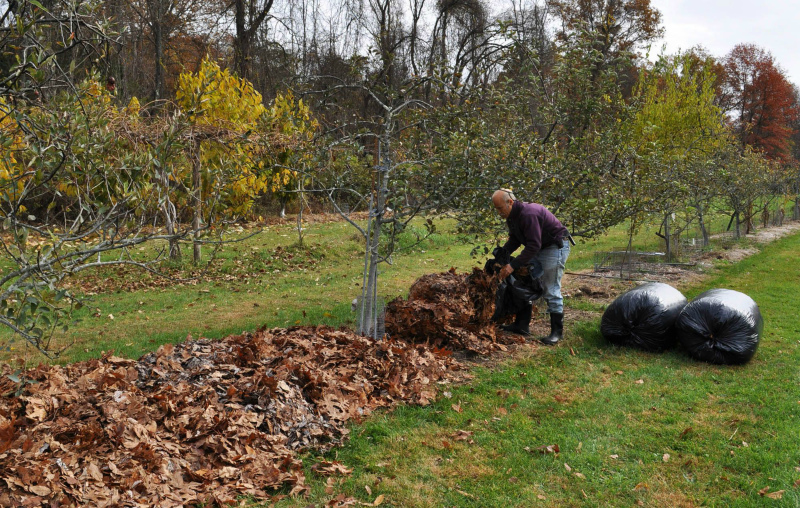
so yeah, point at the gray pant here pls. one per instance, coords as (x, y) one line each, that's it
(553, 262)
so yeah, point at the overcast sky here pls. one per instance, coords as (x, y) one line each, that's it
(718, 25)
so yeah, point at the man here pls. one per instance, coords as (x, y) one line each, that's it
(544, 238)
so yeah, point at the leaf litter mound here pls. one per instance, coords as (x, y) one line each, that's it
(207, 421)
(451, 311)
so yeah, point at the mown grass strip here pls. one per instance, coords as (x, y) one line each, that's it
(267, 280)
(632, 428)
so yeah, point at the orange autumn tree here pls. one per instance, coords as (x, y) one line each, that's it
(760, 101)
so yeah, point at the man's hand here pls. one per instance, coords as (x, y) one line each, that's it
(505, 271)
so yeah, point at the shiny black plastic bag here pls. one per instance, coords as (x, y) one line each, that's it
(644, 317)
(519, 289)
(721, 326)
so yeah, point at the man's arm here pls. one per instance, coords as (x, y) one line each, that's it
(511, 245)
(532, 232)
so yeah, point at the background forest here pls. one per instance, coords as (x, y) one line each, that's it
(127, 123)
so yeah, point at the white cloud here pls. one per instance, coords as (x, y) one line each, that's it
(719, 25)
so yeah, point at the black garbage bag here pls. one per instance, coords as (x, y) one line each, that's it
(644, 317)
(721, 326)
(518, 290)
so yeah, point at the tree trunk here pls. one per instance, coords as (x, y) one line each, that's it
(157, 15)
(241, 44)
(243, 40)
(702, 222)
(197, 203)
(668, 238)
(300, 211)
(170, 217)
(369, 297)
(796, 209)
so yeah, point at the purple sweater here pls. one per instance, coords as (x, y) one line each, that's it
(531, 225)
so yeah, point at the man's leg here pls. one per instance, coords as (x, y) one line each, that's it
(553, 262)
(522, 322)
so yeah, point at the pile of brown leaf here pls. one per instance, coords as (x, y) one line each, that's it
(198, 422)
(449, 310)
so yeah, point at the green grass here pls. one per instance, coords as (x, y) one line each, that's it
(583, 396)
(632, 428)
(267, 280)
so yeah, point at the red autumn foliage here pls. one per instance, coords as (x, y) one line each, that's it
(760, 100)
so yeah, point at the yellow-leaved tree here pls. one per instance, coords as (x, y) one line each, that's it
(287, 152)
(12, 170)
(223, 112)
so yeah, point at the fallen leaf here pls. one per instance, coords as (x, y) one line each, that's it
(40, 490)
(378, 500)
(539, 496)
(513, 479)
(641, 486)
(369, 490)
(665, 457)
(778, 494)
(463, 435)
(640, 381)
(615, 456)
(566, 466)
(457, 408)
(553, 448)
(763, 491)
(580, 475)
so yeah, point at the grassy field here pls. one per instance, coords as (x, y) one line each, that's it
(266, 280)
(630, 428)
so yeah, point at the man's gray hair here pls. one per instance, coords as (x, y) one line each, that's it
(510, 193)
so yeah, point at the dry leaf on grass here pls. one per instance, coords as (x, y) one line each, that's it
(202, 421)
(205, 422)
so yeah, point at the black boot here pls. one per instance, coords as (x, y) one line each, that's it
(556, 329)
(522, 323)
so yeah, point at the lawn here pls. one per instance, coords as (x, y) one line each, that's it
(266, 280)
(588, 424)
(582, 424)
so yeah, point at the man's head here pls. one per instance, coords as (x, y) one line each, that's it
(503, 200)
